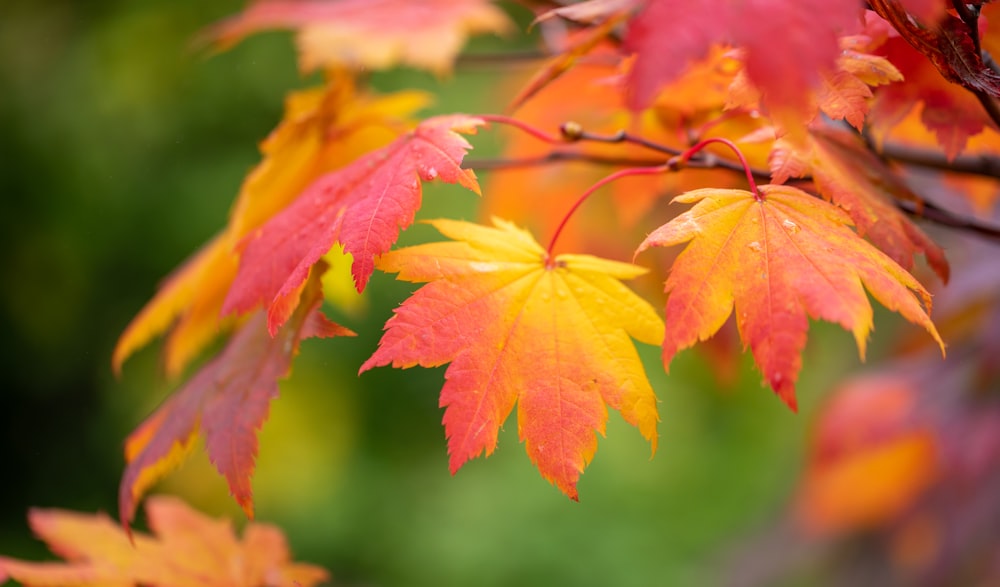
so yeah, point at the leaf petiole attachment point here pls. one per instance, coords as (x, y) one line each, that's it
(681, 160)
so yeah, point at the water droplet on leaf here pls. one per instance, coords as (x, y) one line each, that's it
(755, 246)
(790, 226)
(432, 173)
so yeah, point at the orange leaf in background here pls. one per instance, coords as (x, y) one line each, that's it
(187, 549)
(369, 34)
(848, 174)
(552, 335)
(870, 457)
(843, 93)
(323, 129)
(228, 401)
(785, 67)
(778, 261)
(362, 206)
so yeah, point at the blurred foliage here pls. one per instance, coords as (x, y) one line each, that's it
(122, 149)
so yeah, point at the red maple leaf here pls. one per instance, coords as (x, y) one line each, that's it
(373, 34)
(789, 43)
(228, 400)
(362, 206)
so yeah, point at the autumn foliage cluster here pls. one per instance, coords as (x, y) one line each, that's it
(810, 150)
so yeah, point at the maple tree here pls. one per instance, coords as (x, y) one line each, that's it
(821, 147)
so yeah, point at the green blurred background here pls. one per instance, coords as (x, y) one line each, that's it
(122, 149)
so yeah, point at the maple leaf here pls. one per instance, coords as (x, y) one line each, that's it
(323, 128)
(947, 44)
(187, 549)
(851, 176)
(227, 400)
(843, 93)
(871, 457)
(551, 335)
(362, 206)
(778, 261)
(948, 110)
(788, 43)
(372, 34)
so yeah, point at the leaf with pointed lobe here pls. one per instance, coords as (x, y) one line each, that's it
(186, 549)
(946, 109)
(776, 263)
(552, 336)
(323, 128)
(947, 44)
(369, 34)
(843, 93)
(851, 176)
(362, 206)
(227, 401)
(788, 43)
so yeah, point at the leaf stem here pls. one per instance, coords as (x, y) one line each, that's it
(684, 157)
(614, 176)
(522, 126)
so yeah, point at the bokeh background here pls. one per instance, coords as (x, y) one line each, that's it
(122, 146)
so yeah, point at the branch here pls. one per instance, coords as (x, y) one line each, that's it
(559, 156)
(984, 165)
(701, 161)
(928, 211)
(572, 132)
(979, 165)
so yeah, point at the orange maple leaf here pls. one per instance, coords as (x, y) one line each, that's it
(851, 176)
(187, 549)
(228, 401)
(843, 93)
(551, 335)
(362, 206)
(323, 128)
(372, 34)
(779, 260)
(872, 455)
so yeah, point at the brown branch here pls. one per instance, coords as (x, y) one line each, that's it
(701, 161)
(559, 156)
(920, 209)
(984, 165)
(938, 215)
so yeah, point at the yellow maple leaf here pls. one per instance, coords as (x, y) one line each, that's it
(552, 335)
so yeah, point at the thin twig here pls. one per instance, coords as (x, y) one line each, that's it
(932, 212)
(559, 157)
(700, 161)
(983, 165)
